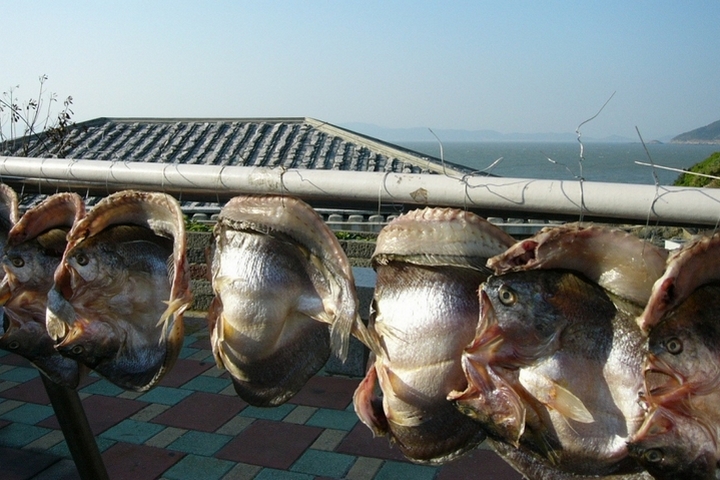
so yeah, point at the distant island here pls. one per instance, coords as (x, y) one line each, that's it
(709, 134)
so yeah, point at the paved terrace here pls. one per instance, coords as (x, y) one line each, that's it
(194, 426)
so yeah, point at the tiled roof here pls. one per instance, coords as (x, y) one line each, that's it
(267, 142)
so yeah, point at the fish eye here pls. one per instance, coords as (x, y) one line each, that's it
(77, 350)
(17, 262)
(14, 345)
(82, 259)
(653, 455)
(506, 295)
(674, 346)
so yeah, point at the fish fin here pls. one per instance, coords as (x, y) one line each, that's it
(174, 307)
(564, 402)
(368, 406)
(396, 391)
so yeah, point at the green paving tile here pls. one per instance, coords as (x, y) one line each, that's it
(103, 387)
(164, 395)
(131, 431)
(18, 434)
(192, 467)
(62, 450)
(19, 374)
(203, 383)
(323, 464)
(272, 474)
(187, 351)
(200, 443)
(393, 470)
(3, 353)
(28, 413)
(274, 413)
(337, 419)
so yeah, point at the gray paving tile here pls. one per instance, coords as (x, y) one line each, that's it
(300, 414)
(149, 412)
(329, 439)
(242, 471)
(165, 437)
(236, 425)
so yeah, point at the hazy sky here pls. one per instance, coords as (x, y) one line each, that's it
(531, 67)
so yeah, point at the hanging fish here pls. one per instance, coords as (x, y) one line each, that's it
(429, 265)
(682, 371)
(34, 248)
(8, 218)
(284, 296)
(121, 289)
(556, 365)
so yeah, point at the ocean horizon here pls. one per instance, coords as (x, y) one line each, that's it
(601, 162)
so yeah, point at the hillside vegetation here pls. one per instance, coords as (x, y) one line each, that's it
(709, 166)
(707, 134)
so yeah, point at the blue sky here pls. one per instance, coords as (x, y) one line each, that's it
(509, 66)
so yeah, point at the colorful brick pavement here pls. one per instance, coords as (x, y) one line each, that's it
(193, 426)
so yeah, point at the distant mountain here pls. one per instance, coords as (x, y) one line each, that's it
(709, 134)
(419, 134)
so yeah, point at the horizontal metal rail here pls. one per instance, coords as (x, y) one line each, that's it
(496, 196)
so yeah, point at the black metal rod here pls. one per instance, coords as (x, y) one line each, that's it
(76, 429)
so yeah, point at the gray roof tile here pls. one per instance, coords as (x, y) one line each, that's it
(268, 142)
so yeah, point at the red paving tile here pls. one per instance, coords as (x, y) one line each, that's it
(327, 392)
(32, 391)
(184, 371)
(478, 465)
(270, 444)
(201, 411)
(16, 464)
(360, 441)
(3, 423)
(125, 461)
(102, 412)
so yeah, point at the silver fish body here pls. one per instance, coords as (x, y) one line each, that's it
(34, 249)
(284, 296)
(429, 265)
(121, 289)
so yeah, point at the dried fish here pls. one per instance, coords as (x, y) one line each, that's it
(121, 289)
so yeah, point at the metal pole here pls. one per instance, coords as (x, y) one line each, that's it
(510, 196)
(76, 429)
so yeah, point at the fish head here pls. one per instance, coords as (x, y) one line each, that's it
(91, 343)
(683, 348)
(32, 264)
(531, 309)
(672, 446)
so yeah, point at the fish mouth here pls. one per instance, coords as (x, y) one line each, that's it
(664, 385)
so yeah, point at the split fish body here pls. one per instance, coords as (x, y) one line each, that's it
(34, 249)
(555, 368)
(284, 296)
(429, 265)
(119, 295)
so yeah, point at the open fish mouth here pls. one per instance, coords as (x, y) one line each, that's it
(664, 385)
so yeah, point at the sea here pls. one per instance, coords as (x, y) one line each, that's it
(599, 162)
